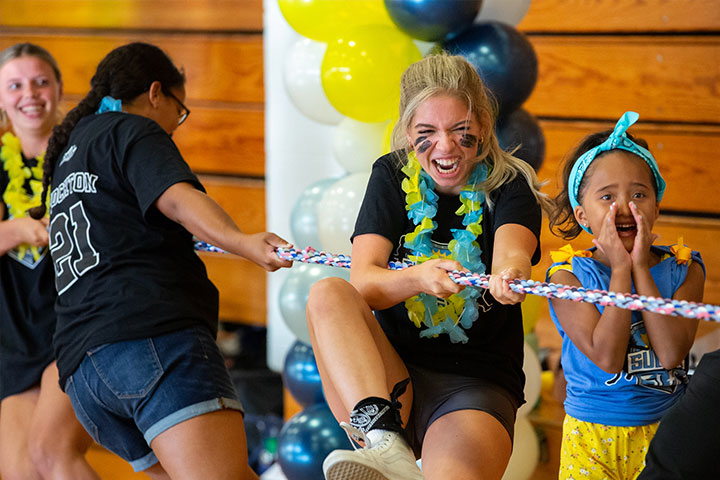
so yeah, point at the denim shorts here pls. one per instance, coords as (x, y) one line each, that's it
(436, 394)
(126, 393)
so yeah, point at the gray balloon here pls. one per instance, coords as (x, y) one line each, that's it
(295, 291)
(304, 215)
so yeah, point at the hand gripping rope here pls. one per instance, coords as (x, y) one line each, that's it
(665, 306)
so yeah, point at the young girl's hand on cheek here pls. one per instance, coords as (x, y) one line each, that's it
(643, 240)
(609, 243)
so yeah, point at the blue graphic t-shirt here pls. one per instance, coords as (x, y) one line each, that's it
(642, 392)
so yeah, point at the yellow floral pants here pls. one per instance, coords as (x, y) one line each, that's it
(603, 452)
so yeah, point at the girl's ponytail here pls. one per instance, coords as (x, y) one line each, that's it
(58, 141)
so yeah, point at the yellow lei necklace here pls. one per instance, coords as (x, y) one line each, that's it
(16, 197)
(456, 314)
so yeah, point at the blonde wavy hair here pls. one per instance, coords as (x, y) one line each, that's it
(444, 74)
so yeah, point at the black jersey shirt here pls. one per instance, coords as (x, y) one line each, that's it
(494, 351)
(27, 316)
(122, 269)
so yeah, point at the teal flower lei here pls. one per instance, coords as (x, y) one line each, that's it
(457, 313)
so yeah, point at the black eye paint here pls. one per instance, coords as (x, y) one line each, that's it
(468, 140)
(424, 146)
(419, 139)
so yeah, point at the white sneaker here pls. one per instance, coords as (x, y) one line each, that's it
(389, 459)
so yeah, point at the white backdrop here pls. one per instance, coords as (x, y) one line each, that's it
(298, 152)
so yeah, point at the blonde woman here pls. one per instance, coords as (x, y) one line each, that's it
(39, 434)
(436, 371)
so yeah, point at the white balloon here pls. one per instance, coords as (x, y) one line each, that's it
(295, 290)
(506, 11)
(424, 47)
(358, 144)
(533, 380)
(303, 216)
(338, 210)
(303, 83)
(526, 452)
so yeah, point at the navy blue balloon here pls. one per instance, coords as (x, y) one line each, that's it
(300, 375)
(504, 59)
(520, 128)
(433, 20)
(306, 439)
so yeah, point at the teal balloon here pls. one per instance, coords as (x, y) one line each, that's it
(295, 290)
(304, 215)
(306, 439)
(301, 376)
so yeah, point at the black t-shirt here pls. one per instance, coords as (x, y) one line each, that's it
(123, 269)
(494, 351)
(27, 316)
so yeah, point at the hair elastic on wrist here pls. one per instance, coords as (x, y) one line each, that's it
(618, 139)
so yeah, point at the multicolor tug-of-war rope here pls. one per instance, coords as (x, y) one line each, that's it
(665, 306)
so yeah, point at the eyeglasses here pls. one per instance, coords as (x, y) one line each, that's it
(184, 113)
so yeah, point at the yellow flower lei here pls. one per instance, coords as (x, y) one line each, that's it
(459, 311)
(19, 200)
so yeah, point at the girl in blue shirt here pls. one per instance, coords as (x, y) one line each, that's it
(624, 369)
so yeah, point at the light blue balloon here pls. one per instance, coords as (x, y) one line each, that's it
(295, 291)
(304, 216)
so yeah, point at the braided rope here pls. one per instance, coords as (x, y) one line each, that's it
(665, 306)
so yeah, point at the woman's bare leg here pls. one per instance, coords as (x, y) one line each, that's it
(16, 413)
(209, 446)
(58, 442)
(354, 357)
(466, 444)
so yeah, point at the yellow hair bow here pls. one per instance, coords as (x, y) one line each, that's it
(566, 253)
(682, 253)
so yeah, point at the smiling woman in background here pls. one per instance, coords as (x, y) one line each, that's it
(39, 434)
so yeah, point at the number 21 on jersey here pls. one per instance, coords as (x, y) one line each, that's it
(72, 252)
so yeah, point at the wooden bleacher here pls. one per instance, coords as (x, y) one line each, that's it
(596, 59)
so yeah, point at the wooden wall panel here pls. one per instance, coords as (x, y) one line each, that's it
(243, 199)
(202, 15)
(224, 140)
(666, 78)
(574, 16)
(686, 155)
(219, 68)
(242, 287)
(242, 284)
(218, 140)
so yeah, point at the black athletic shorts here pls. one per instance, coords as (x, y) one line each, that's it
(436, 394)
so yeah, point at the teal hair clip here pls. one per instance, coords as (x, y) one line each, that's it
(109, 104)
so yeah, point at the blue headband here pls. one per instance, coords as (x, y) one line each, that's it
(617, 140)
(109, 104)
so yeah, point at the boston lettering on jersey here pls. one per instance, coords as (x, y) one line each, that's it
(76, 182)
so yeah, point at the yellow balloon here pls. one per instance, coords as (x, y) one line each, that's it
(387, 135)
(325, 20)
(361, 71)
(531, 310)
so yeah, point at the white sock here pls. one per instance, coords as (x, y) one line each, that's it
(375, 435)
